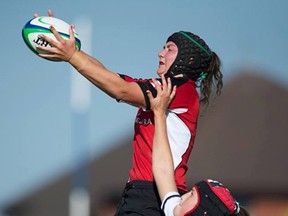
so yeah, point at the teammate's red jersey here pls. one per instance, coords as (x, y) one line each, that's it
(182, 116)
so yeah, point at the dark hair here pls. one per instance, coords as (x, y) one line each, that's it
(213, 77)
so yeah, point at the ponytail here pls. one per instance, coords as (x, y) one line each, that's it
(213, 78)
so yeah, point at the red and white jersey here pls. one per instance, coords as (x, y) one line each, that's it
(182, 116)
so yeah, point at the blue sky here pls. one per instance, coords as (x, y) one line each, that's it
(35, 97)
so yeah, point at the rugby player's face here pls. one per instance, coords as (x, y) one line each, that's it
(166, 57)
(188, 202)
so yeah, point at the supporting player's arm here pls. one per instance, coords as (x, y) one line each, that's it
(162, 161)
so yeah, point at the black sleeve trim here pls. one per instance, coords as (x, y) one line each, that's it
(144, 87)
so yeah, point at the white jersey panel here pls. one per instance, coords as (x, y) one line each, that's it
(179, 135)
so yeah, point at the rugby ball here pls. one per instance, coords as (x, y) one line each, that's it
(41, 25)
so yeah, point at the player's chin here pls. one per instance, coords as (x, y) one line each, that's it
(161, 71)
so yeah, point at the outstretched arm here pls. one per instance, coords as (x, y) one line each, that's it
(92, 69)
(162, 161)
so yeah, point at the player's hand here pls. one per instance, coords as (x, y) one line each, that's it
(61, 49)
(50, 13)
(165, 95)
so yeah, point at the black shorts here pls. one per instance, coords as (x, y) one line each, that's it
(140, 198)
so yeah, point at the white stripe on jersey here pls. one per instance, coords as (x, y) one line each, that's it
(178, 134)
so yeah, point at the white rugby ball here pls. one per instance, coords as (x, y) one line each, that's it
(41, 25)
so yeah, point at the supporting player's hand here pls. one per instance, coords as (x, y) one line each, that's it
(165, 95)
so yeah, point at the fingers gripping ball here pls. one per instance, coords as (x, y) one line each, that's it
(41, 25)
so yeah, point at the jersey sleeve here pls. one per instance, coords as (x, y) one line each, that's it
(145, 84)
(170, 201)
